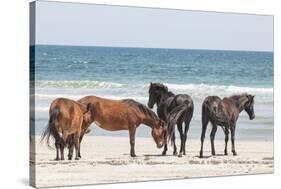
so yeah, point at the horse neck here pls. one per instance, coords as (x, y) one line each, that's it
(150, 121)
(240, 102)
(162, 97)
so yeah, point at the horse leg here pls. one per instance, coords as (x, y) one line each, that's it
(70, 151)
(212, 138)
(174, 143)
(62, 151)
(205, 122)
(232, 130)
(57, 150)
(226, 132)
(186, 123)
(63, 140)
(132, 133)
(70, 147)
(165, 150)
(77, 145)
(165, 145)
(182, 138)
(80, 139)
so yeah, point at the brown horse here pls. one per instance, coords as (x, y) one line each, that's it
(115, 115)
(66, 125)
(225, 113)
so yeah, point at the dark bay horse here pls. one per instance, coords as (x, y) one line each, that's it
(225, 113)
(127, 114)
(66, 125)
(174, 110)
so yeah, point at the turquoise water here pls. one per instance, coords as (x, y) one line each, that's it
(73, 72)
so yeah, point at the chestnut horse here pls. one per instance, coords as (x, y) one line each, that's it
(127, 114)
(65, 125)
(225, 113)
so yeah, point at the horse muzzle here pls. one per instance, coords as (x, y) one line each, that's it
(160, 145)
(252, 117)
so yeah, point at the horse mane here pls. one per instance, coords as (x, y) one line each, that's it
(239, 95)
(141, 107)
(236, 97)
(161, 86)
(164, 88)
(170, 93)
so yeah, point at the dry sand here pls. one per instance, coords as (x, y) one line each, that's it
(107, 160)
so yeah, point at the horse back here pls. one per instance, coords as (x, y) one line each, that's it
(109, 114)
(231, 106)
(70, 115)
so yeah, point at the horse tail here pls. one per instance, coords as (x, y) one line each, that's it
(51, 130)
(174, 115)
(205, 113)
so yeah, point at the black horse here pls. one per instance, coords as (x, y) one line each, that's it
(224, 113)
(174, 110)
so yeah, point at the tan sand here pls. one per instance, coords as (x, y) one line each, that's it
(107, 160)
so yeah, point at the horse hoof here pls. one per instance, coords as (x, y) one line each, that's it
(175, 153)
(133, 155)
(234, 153)
(77, 158)
(213, 153)
(163, 153)
(180, 155)
(225, 153)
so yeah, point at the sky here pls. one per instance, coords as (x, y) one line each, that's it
(102, 25)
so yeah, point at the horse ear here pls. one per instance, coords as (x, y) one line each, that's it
(251, 97)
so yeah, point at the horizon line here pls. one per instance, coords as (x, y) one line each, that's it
(171, 48)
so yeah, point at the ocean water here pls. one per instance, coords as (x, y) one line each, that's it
(117, 73)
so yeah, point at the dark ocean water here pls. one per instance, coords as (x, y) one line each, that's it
(73, 72)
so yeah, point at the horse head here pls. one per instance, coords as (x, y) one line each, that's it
(158, 133)
(249, 107)
(155, 92)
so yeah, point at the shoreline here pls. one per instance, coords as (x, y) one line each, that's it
(221, 139)
(106, 159)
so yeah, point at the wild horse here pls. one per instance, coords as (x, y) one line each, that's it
(127, 114)
(174, 110)
(224, 113)
(66, 126)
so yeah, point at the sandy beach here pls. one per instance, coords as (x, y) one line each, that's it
(107, 160)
